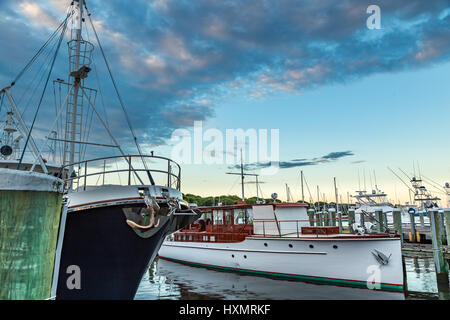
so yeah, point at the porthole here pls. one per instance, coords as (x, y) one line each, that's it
(290, 245)
(335, 247)
(265, 244)
(245, 257)
(232, 255)
(311, 246)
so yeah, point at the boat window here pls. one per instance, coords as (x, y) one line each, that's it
(218, 218)
(207, 216)
(227, 217)
(240, 216)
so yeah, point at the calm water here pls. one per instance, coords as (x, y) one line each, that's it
(169, 280)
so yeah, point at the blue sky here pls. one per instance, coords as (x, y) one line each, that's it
(311, 69)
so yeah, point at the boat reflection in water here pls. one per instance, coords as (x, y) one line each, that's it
(170, 280)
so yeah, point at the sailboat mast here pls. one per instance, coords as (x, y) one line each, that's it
(303, 194)
(336, 194)
(257, 191)
(318, 199)
(242, 177)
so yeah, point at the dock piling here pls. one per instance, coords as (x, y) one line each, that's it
(351, 219)
(442, 227)
(380, 221)
(438, 253)
(422, 220)
(311, 217)
(397, 214)
(318, 219)
(326, 218)
(340, 221)
(413, 230)
(447, 224)
(332, 217)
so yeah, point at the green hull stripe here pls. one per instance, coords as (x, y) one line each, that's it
(346, 283)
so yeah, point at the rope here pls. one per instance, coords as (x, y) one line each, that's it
(120, 100)
(43, 92)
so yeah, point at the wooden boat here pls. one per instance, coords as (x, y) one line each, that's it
(280, 240)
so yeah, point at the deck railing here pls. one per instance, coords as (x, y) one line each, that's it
(275, 227)
(131, 165)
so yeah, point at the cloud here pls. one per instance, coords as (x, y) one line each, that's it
(168, 56)
(37, 15)
(330, 157)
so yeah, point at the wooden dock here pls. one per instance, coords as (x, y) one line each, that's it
(422, 250)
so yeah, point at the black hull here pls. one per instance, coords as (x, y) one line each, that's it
(111, 257)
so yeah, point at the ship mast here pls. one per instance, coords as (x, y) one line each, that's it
(242, 174)
(73, 116)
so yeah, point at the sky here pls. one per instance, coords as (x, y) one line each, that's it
(347, 100)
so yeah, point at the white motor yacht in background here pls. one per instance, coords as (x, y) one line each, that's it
(281, 240)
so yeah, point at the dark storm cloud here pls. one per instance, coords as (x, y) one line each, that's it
(173, 60)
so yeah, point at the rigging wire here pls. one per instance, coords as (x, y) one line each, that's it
(1, 102)
(232, 186)
(432, 182)
(101, 98)
(33, 85)
(43, 92)
(120, 100)
(307, 187)
(38, 53)
(58, 123)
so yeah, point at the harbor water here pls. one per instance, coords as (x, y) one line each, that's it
(173, 281)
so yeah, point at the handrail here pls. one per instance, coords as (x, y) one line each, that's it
(120, 156)
(172, 177)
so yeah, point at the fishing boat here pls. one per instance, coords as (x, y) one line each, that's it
(369, 203)
(30, 210)
(116, 209)
(114, 229)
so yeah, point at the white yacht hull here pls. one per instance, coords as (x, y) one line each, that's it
(351, 263)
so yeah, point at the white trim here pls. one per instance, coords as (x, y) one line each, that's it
(62, 228)
(244, 250)
(322, 239)
(12, 179)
